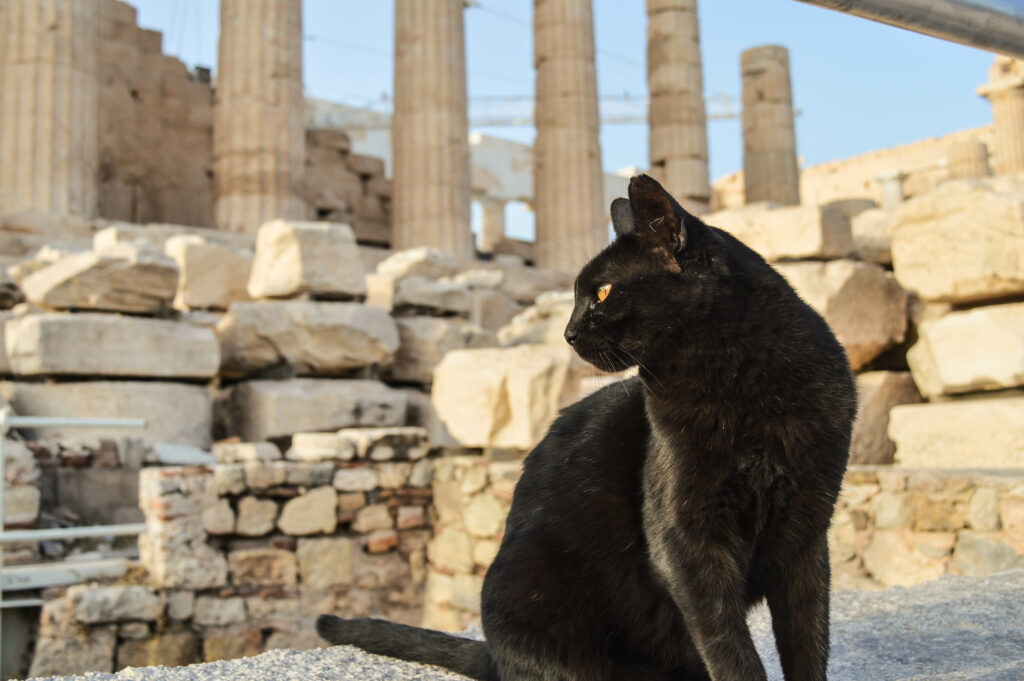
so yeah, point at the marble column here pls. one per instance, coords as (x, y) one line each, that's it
(49, 103)
(259, 140)
(571, 222)
(770, 168)
(430, 128)
(492, 226)
(676, 115)
(1005, 92)
(968, 159)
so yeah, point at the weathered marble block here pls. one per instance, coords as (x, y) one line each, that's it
(311, 337)
(95, 344)
(975, 433)
(259, 410)
(963, 242)
(316, 258)
(981, 349)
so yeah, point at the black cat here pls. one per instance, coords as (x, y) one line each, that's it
(657, 511)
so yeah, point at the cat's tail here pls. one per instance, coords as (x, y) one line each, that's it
(461, 655)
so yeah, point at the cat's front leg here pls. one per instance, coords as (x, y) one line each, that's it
(706, 583)
(798, 600)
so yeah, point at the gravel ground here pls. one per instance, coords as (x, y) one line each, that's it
(956, 628)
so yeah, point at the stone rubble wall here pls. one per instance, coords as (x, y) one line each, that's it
(898, 527)
(892, 527)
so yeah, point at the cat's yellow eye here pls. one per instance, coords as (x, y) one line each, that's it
(603, 292)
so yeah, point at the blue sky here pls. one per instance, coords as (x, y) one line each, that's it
(860, 85)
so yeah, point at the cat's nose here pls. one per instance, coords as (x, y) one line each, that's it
(571, 335)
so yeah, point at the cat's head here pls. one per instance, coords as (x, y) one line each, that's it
(660, 274)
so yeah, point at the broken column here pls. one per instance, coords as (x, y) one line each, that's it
(259, 128)
(1005, 92)
(567, 177)
(48, 106)
(676, 116)
(430, 128)
(492, 226)
(770, 167)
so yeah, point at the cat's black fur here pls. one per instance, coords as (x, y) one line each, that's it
(657, 511)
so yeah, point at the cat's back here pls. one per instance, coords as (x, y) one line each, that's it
(594, 445)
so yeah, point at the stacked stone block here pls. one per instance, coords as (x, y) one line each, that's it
(967, 358)
(342, 186)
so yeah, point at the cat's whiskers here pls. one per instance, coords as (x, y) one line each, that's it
(640, 364)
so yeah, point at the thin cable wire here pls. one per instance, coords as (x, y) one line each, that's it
(519, 22)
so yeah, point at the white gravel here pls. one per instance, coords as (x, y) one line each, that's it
(956, 628)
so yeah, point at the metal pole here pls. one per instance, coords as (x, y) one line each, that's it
(129, 530)
(993, 25)
(9, 420)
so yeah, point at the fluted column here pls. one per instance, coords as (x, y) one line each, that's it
(258, 127)
(770, 167)
(1005, 92)
(430, 128)
(492, 226)
(676, 115)
(568, 189)
(968, 159)
(48, 106)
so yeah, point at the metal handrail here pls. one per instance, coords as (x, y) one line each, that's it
(8, 421)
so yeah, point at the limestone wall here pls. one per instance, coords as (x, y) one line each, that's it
(855, 177)
(156, 127)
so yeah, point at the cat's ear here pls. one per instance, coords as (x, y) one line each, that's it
(656, 214)
(622, 217)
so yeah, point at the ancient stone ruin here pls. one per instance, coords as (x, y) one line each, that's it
(340, 382)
